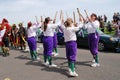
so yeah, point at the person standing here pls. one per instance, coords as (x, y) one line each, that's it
(22, 36)
(31, 39)
(93, 37)
(6, 37)
(69, 29)
(105, 18)
(48, 41)
(2, 32)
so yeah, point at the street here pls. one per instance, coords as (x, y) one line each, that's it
(18, 66)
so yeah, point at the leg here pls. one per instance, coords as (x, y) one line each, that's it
(31, 53)
(71, 49)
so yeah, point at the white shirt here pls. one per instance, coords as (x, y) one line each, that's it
(70, 32)
(92, 26)
(31, 32)
(50, 29)
(2, 32)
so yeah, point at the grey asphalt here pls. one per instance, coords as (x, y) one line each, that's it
(18, 66)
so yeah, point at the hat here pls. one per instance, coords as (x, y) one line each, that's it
(4, 20)
(20, 24)
(14, 26)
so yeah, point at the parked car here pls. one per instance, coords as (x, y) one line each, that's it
(105, 42)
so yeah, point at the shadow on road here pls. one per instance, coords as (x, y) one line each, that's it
(56, 70)
(23, 57)
(59, 58)
(84, 63)
(59, 70)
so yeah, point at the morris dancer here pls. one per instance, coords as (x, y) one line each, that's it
(22, 36)
(31, 34)
(48, 41)
(6, 37)
(71, 46)
(12, 36)
(2, 32)
(93, 37)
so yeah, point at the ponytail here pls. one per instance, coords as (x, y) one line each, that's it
(45, 26)
(46, 22)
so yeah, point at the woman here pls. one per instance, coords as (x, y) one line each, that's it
(70, 30)
(31, 34)
(93, 37)
(48, 41)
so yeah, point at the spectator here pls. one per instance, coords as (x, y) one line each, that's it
(102, 25)
(116, 25)
(99, 18)
(118, 16)
(115, 17)
(105, 18)
(109, 28)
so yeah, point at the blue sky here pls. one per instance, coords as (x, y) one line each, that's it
(25, 10)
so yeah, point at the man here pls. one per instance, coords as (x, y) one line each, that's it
(22, 36)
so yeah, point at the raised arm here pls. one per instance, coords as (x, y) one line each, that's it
(37, 24)
(80, 25)
(41, 19)
(54, 20)
(62, 20)
(36, 19)
(95, 23)
(80, 16)
(74, 17)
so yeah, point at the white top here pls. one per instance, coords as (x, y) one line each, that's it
(31, 32)
(2, 32)
(50, 29)
(70, 32)
(92, 26)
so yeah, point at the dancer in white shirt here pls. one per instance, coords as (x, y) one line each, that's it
(31, 34)
(48, 41)
(93, 37)
(71, 46)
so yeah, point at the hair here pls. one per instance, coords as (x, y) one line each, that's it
(68, 22)
(29, 24)
(47, 19)
(93, 14)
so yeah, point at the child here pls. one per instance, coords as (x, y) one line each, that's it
(48, 41)
(71, 46)
(31, 34)
(93, 37)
